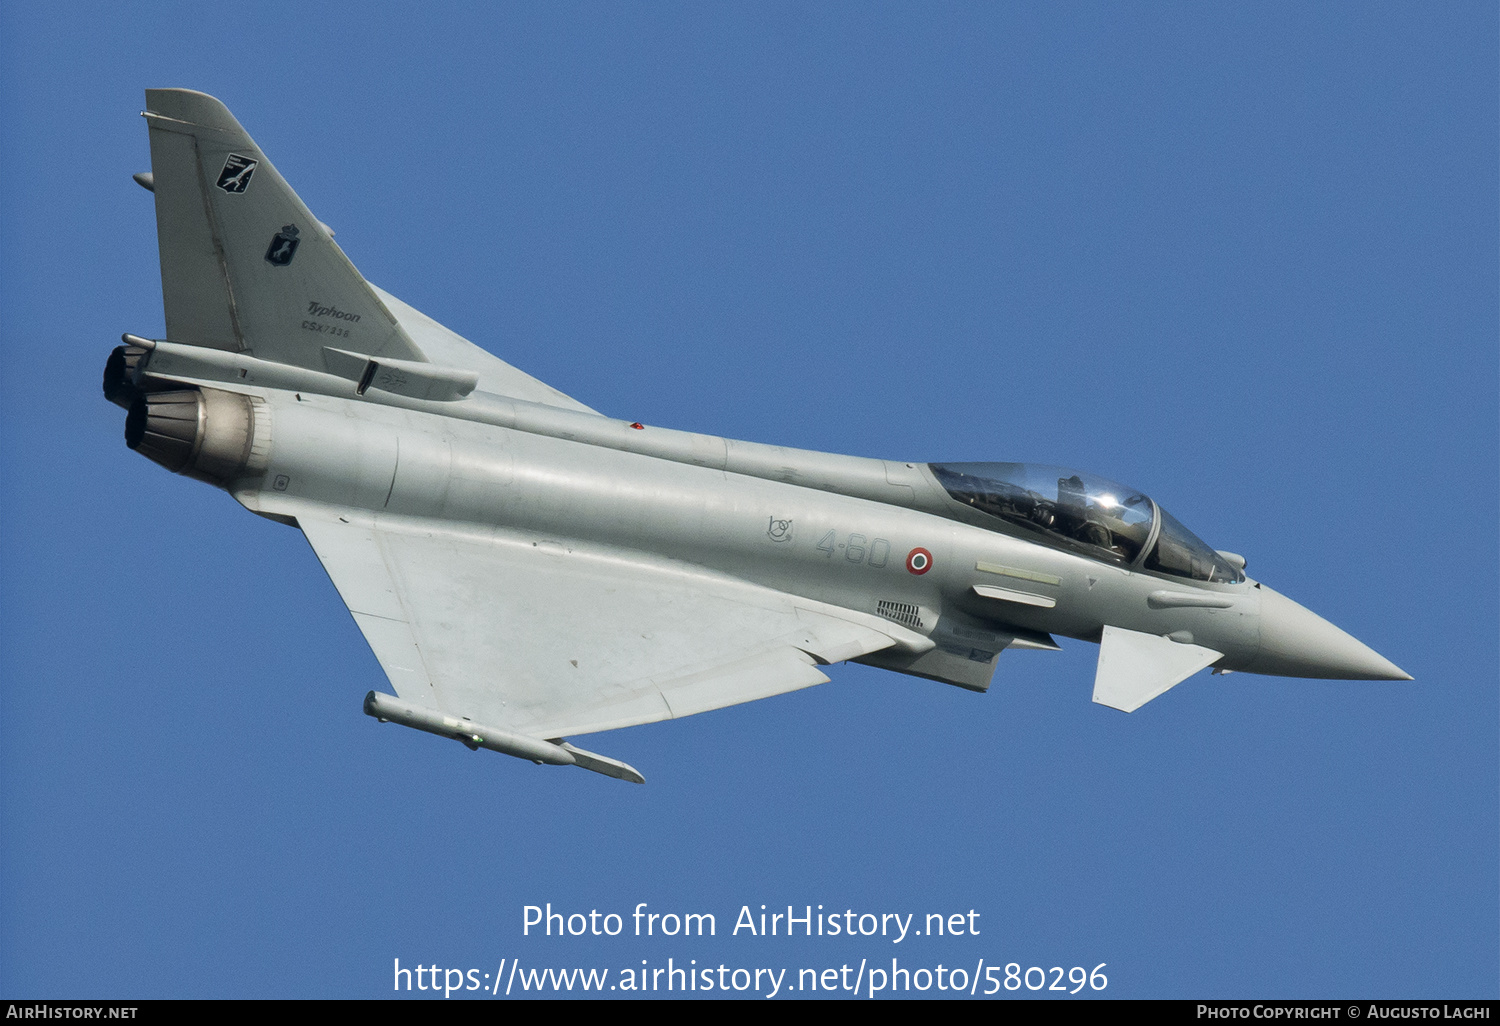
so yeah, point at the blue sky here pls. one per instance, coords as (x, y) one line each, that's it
(1242, 257)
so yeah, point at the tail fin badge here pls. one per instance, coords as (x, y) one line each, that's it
(236, 174)
(283, 246)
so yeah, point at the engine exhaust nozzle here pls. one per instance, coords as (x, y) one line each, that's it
(205, 433)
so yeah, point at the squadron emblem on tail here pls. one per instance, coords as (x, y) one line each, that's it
(236, 174)
(283, 246)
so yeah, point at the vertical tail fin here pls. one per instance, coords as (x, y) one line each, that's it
(244, 265)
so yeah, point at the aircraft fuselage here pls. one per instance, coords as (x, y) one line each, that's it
(878, 536)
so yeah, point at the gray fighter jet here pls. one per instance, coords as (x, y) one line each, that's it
(526, 569)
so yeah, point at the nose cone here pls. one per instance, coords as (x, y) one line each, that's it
(1296, 642)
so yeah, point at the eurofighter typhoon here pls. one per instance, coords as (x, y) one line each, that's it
(527, 569)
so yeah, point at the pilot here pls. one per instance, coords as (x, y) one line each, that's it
(1075, 518)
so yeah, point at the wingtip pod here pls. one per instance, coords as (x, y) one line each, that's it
(388, 708)
(603, 764)
(474, 735)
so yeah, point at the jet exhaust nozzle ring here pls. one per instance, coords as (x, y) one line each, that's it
(119, 375)
(209, 434)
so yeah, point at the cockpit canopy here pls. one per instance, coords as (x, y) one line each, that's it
(1084, 513)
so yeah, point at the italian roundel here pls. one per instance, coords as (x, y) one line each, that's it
(919, 561)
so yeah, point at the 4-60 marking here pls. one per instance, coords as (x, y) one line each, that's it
(858, 549)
